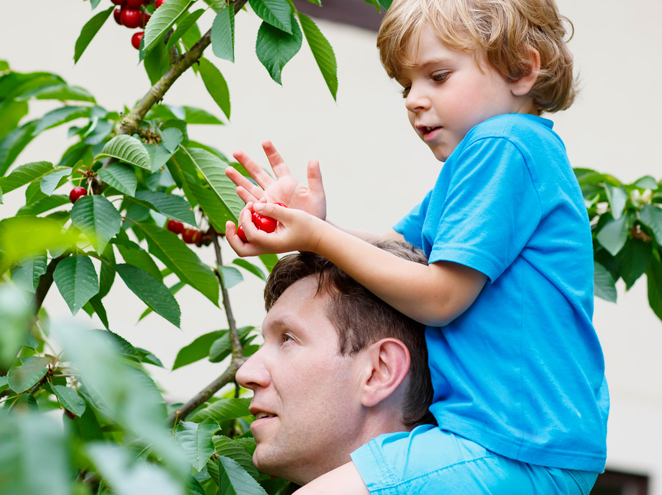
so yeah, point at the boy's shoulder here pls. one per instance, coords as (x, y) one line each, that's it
(518, 128)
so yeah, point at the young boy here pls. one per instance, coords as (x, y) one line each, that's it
(518, 372)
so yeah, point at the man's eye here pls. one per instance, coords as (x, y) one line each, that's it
(286, 337)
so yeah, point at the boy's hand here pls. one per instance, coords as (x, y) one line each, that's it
(296, 231)
(285, 189)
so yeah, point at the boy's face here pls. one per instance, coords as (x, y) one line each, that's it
(447, 93)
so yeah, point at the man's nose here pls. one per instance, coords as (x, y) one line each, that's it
(253, 374)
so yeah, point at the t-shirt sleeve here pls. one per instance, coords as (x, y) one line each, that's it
(411, 226)
(491, 209)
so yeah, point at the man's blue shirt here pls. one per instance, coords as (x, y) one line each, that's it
(521, 372)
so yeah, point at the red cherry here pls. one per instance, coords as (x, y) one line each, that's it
(118, 2)
(69, 414)
(159, 3)
(117, 13)
(137, 38)
(191, 236)
(135, 4)
(131, 18)
(146, 18)
(77, 193)
(281, 204)
(265, 224)
(173, 225)
(241, 235)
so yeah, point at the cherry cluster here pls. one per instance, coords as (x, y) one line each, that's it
(190, 236)
(132, 14)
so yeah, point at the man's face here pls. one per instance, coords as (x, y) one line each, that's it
(306, 395)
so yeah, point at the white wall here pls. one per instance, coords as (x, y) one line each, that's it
(375, 168)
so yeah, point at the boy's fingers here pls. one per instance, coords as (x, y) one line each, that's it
(253, 168)
(245, 195)
(275, 160)
(315, 177)
(272, 210)
(242, 182)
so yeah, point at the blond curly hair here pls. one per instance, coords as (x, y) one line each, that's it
(503, 31)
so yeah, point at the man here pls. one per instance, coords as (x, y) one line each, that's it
(337, 368)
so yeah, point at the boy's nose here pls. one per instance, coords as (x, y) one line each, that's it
(416, 99)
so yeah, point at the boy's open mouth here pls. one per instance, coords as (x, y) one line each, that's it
(427, 131)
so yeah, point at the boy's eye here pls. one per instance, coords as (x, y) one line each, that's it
(405, 91)
(439, 76)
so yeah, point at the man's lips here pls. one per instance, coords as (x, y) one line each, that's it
(261, 414)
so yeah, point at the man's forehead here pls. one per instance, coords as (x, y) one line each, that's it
(300, 303)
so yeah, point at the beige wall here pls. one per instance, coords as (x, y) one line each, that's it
(375, 168)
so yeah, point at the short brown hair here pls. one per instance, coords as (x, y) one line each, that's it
(361, 318)
(503, 31)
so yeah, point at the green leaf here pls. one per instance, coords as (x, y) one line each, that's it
(646, 182)
(163, 19)
(197, 350)
(127, 149)
(30, 440)
(61, 92)
(604, 285)
(652, 217)
(231, 449)
(190, 115)
(76, 280)
(269, 261)
(70, 399)
(193, 487)
(120, 176)
(322, 51)
(25, 174)
(173, 290)
(234, 480)
(222, 34)
(196, 440)
(152, 292)
(40, 206)
(223, 409)
(177, 256)
(247, 265)
(617, 197)
(183, 26)
(278, 13)
(14, 142)
(213, 170)
(275, 48)
(61, 116)
(222, 347)
(54, 180)
(171, 138)
(97, 305)
(107, 273)
(135, 353)
(26, 275)
(89, 31)
(158, 156)
(614, 235)
(127, 476)
(170, 205)
(16, 317)
(11, 113)
(633, 260)
(24, 377)
(97, 218)
(134, 255)
(216, 85)
(654, 276)
(157, 62)
(231, 276)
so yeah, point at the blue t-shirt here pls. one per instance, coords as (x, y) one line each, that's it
(521, 372)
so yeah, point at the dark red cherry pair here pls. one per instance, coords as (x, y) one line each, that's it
(129, 14)
(190, 236)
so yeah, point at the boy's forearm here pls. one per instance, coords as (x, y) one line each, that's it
(431, 294)
(369, 236)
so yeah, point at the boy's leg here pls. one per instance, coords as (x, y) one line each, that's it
(345, 479)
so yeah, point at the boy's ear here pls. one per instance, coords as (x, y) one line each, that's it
(385, 367)
(524, 84)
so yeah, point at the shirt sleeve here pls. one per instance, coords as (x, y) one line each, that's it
(491, 209)
(411, 226)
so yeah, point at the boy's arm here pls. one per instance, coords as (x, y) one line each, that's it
(287, 190)
(432, 294)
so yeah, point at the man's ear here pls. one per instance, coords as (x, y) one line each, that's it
(386, 367)
(524, 84)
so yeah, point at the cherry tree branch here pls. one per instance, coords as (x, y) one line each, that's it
(237, 350)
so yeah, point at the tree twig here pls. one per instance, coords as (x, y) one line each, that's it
(235, 342)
